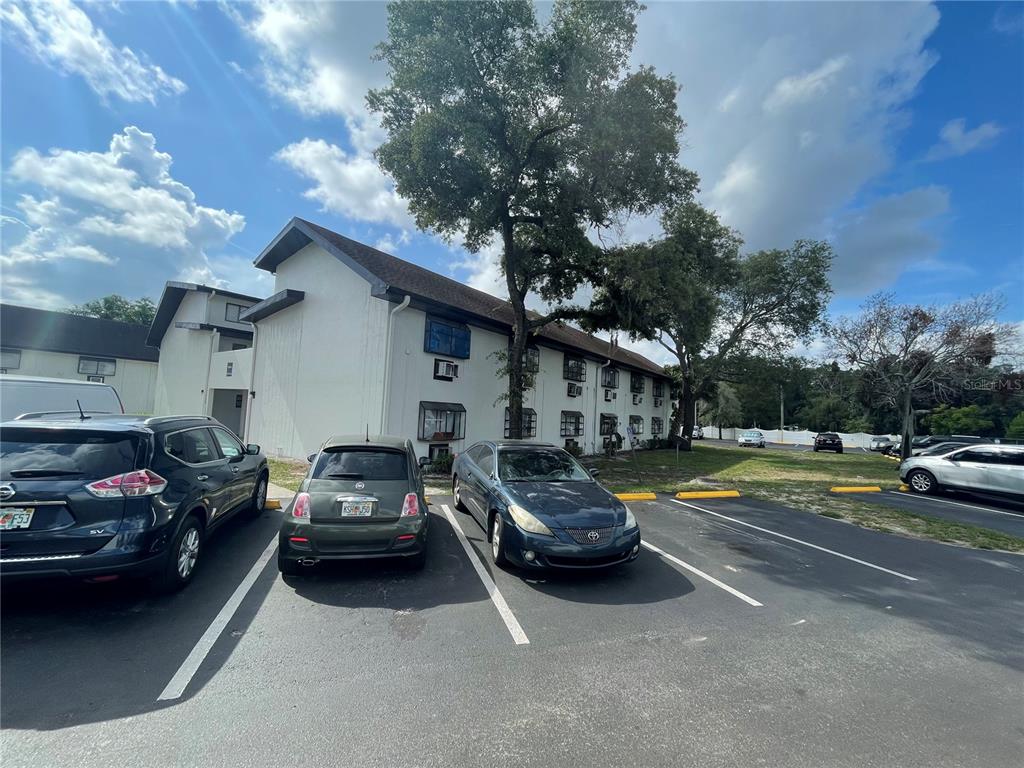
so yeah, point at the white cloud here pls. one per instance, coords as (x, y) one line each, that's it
(876, 244)
(805, 87)
(390, 244)
(105, 222)
(349, 184)
(955, 140)
(1008, 19)
(61, 35)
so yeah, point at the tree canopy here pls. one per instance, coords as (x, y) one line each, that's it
(116, 307)
(502, 129)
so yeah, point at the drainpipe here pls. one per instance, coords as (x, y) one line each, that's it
(250, 394)
(214, 338)
(387, 361)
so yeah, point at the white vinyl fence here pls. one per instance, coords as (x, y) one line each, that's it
(850, 440)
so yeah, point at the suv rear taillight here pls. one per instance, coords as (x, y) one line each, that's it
(411, 505)
(301, 507)
(144, 482)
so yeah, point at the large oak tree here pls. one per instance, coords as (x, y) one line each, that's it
(503, 129)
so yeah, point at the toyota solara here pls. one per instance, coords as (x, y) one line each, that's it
(541, 508)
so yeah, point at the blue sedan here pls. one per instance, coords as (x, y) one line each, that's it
(541, 508)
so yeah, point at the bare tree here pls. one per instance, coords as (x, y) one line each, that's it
(913, 353)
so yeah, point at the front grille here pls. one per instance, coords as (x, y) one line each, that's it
(583, 535)
(586, 562)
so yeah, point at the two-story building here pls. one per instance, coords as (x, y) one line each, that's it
(356, 340)
(40, 342)
(206, 356)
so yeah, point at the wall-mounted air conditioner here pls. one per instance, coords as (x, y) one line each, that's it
(445, 369)
(574, 390)
(638, 399)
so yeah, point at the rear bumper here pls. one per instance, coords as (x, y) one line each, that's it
(352, 541)
(80, 566)
(558, 554)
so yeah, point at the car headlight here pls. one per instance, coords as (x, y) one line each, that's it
(528, 522)
(630, 520)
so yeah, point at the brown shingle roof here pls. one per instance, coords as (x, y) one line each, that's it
(406, 277)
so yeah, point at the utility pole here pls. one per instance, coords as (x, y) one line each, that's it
(782, 414)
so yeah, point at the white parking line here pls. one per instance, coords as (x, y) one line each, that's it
(959, 504)
(699, 572)
(190, 666)
(514, 629)
(798, 541)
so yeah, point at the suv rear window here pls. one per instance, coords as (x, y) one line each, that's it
(361, 464)
(38, 453)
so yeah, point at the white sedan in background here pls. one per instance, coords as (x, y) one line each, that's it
(751, 437)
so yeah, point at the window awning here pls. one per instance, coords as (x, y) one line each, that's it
(434, 406)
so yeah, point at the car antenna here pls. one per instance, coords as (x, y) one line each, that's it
(81, 413)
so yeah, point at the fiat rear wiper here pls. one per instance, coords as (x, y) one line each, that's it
(347, 475)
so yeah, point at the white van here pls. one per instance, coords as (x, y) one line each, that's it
(20, 395)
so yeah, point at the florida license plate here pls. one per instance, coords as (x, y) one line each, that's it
(13, 518)
(356, 508)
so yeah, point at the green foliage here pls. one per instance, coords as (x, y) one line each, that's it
(859, 424)
(533, 134)
(725, 410)
(969, 420)
(574, 449)
(824, 414)
(1016, 428)
(442, 464)
(116, 307)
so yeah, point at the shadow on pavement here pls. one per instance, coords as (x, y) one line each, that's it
(78, 653)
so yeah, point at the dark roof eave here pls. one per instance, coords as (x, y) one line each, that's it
(271, 305)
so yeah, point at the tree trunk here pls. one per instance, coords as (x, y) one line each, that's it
(908, 424)
(686, 403)
(518, 346)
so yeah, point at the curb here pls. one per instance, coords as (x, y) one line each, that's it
(707, 494)
(273, 504)
(636, 496)
(855, 489)
(904, 487)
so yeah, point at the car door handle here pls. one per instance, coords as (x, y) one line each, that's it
(201, 478)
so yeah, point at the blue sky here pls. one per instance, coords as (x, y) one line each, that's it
(143, 142)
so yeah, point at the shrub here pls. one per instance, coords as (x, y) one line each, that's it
(442, 464)
(1016, 428)
(574, 449)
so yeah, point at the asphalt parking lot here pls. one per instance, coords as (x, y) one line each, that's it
(745, 634)
(998, 514)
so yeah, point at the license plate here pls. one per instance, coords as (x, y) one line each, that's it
(13, 518)
(356, 508)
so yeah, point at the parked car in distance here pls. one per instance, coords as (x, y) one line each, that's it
(997, 469)
(938, 449)
(361, 499)
(751, 437)
(109, 496)
(828, 441)
(26, 396)
(698, 432)
(541, 508)
(880, 442)
(926, 441)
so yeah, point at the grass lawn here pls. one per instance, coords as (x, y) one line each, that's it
(796, 479)
(287, 473)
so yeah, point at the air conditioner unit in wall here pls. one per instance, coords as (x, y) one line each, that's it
(445, 369)
(657, 402)
(574, 390)
(638, 399)
(610, 394)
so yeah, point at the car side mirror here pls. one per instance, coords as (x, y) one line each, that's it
(595, 472)
(424, 461)
(311, 457)
(252, 449)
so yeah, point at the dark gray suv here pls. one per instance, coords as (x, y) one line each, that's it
(109, 496)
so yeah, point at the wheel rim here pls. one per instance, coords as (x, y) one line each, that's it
(496, 538)
(455, 492)
(920, 481)
(188, 553)
(261, 495)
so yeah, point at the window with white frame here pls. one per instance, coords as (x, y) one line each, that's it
(574, 368)
(657, 425)
(97, 366)
(571, 424)
(529, 423)
(442, 421)
(10, 359)
(636, 423)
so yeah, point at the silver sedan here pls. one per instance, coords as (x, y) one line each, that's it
(751, 437)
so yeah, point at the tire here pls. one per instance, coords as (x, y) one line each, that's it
(288, 567)
(457, 493)
(183, 556)
(259, 497)
(815, 449)
(839, 451)
(497, 540)
(922, 481)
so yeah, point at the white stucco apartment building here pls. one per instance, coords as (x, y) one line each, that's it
(205, 353)
(357, 340)
(39, 342)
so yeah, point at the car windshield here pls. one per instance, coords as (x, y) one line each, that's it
(751, 434)
(361, 464)
(529, 465)
(87, 456)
